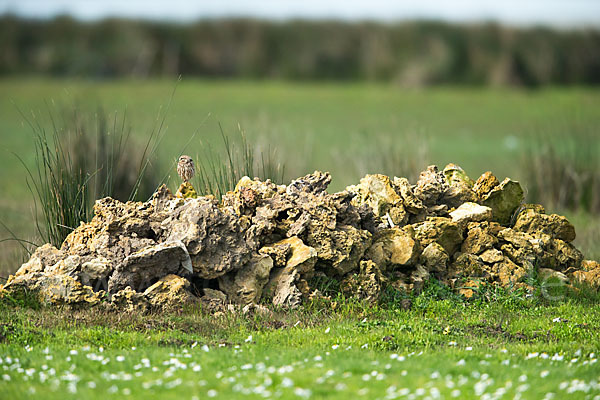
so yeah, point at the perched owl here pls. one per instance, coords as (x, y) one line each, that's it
(185, 168)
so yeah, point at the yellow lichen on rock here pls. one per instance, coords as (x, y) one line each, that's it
(186, 191)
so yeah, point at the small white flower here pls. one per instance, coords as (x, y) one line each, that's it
(461, 362)
(120, 358)
(327, 330)
(544, 373)
(468, 348)
(211, 393)
(335, 346)
(248, 339)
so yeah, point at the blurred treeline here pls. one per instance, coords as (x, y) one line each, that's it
(410, 53)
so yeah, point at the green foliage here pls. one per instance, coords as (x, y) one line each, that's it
(410, 53)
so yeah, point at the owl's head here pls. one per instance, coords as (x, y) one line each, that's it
(185, 159)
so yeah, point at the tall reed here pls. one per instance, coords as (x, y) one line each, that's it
(84, 157)
(563, 172)
(219, 172)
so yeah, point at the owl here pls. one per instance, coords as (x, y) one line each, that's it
(185, 168)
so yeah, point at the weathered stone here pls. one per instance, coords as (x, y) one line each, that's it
(589, 265)
(42, 257)
(589, 275)
(441, 230)
(561, 256)
(491, 256)
(186, 191)
(96, 272)
(302, 257)
(412, 203)
(460, 187)
(509, 273)
(504, 200)
(268, 239)
(245, 286)
(434, 258)
(554, 225)
(378, 193)
(141, 269)
(278, 252)
(430, 186)
(470, 265)
(213, 301)
(285, 292)
(170, 291)
(395, 246)
(213, 238)
(55, 289)
(471, 212)
(518, 246)
(341, 248)
(367, 284)
(484, 184)
(129, 300)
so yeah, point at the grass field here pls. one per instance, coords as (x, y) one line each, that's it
(498, 345)
(510, 347)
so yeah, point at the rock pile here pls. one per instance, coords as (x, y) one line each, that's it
(267, 242)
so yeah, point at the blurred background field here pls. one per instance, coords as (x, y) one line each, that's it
(347, 96)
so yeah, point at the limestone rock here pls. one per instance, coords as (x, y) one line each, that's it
(245, 286)
(285, 292)
(491, 256)
(504, 200)
(561, 256)
(141, 269)
(169, 292)
(554, 225)
(57, 289)
(470, 265)
(395, 246)
(186, 191)
(471, 212)
(42, 257)
(278, 251)
(213, 238)
(441, 230)
(430, 186)
(367, 284)
(379, 194)
(484, 184)
(412, 203)
(434, 258)
(460, 186)
(129, 300)
(589, 275)
(509, 273)
(96, 272)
